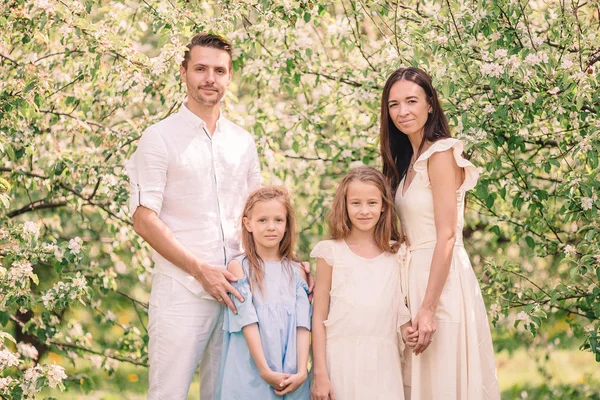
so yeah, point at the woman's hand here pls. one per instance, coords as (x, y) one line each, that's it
(409, 335)
(424, 323)
(275, 379)
(321, 389)
(292, 383)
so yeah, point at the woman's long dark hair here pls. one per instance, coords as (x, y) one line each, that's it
(396, 150)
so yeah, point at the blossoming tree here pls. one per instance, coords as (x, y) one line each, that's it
(82, 80)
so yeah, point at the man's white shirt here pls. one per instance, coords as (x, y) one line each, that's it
(197, 184)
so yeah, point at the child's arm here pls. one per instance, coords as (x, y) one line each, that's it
(321, 387)
(252, 336)
(302, 346)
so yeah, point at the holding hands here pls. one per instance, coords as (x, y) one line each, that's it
(424, 324)
(410, 335)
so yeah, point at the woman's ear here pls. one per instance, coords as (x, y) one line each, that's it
(246, 223)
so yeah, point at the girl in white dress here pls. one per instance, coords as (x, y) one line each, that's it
(454, 356)
(358, 308)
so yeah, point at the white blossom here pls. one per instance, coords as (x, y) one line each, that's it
(8, 359)
(96, 361)
(30, 228)
(56, 374)
(75, 245)
(79, 282)
(492, 69)
(48, 298)
(587, 203)
(569, 250)
(5, 383)
(3, 233)
(523, 316)
(19, 271)
(111, 364)
(27, 350)
(554, 91)
(488, 109)
(501, 53)
(495, 310)
(566, 63)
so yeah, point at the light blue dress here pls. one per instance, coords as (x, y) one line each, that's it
(279, 309)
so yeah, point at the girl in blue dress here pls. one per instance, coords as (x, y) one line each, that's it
(265, 345)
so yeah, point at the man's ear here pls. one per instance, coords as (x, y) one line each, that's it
(182, 74)
(246, 223)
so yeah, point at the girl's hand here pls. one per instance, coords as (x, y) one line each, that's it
(424, 323)
(292, 383)
(275, 379)
(409, 335)
(321, 389)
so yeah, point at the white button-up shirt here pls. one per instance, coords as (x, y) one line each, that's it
(197, 184)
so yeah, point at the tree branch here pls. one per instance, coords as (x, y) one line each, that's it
(36, 205)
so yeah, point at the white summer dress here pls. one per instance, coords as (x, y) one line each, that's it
(459, 364)
(365, 312)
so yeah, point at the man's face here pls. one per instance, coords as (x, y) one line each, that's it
(207, 75)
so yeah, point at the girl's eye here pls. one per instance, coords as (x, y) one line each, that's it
(261, 220)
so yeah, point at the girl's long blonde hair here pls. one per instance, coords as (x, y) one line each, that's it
(386, 233)
(288, 242)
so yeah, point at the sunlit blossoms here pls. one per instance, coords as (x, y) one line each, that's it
(27, 350)
(8, 359)
(75, 245)
(56, 374)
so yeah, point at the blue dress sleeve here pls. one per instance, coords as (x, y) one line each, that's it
(303, 309)
(246, 311)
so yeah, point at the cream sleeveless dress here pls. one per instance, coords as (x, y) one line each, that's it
(459, 364)
(365, 313)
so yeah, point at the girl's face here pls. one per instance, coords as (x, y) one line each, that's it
(364, 205)
(267, 223)
(408, 107)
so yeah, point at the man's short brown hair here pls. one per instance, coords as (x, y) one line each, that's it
(208, 40)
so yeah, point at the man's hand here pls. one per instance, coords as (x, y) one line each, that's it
(311, 280)
(216, 282)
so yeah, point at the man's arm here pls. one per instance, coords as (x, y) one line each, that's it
(214, 280)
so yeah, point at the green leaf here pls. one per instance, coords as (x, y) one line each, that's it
(530, 242)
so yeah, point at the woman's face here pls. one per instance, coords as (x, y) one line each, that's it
(408, 107)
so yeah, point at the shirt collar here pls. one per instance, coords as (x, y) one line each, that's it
(195, 120)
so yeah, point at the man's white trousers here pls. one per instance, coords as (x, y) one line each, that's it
(184, 330)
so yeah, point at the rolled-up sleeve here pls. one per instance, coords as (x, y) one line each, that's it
(147, 171)
(254, 171)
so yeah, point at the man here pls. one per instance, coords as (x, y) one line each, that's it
(190, 176)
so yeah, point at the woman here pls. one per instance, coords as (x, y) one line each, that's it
(454, 356)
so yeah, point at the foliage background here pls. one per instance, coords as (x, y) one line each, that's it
(82, 80)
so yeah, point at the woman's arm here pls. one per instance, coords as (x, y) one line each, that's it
(445, 177)
(321, 388)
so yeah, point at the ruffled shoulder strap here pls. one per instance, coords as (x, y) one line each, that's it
(325, 250)
(471, 172)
